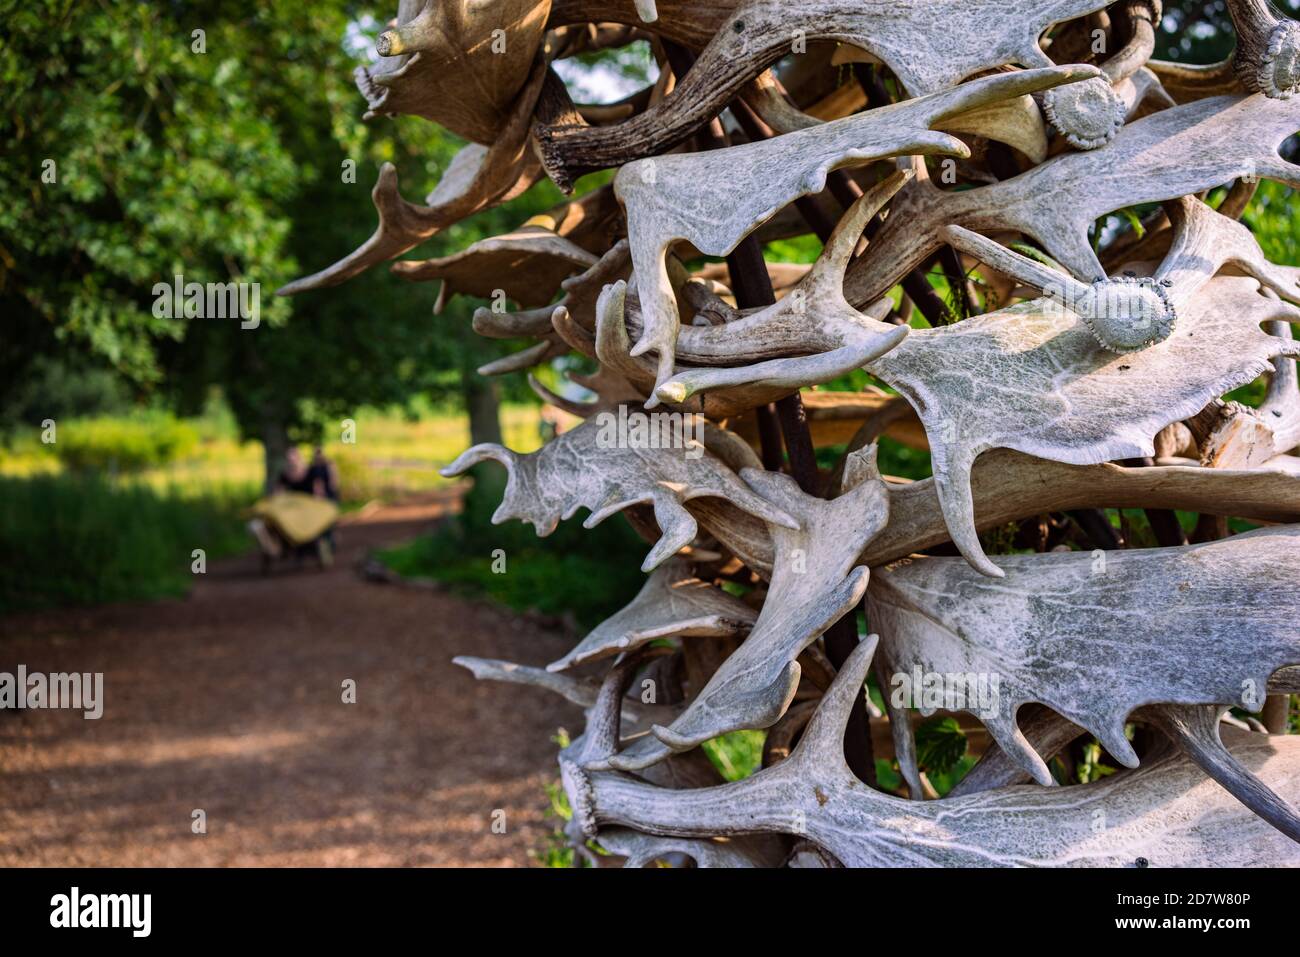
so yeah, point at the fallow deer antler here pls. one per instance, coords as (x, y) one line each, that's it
(673, 603)
(1166, 812)
(1089, 114)
(814, 583)
(457, 63)
(1008, 486)
(673, 198)
(610, 476)
(812, 322)
(1135, 312)
(931, 45)
(1031, 378)
(477, 178)
(527, 264)
(1266, 60)
(1176, 152)
(1140, 622)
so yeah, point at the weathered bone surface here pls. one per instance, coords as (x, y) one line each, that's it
(1089, 114)
(457, 63)
(529, 263)
(477, 178)
(672, 604)
(1136, 312)
(644, 850)
(1167, 812)
(495, 263)
(673, 198)
(1032, 378)
(577, 470)
(814, 583)
(1197, 729)
(1266, 59)
(1172, 153)
(1007, 486)
(762, 383)
(929, 44)
(812, 320)
(582, 692)
(1142, 625)
(1106, 390)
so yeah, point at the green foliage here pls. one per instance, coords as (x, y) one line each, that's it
(737, 754)
(1091, 767)
(160, 163)
(1271, 216)
(55, 388)
(227, 164)
(892, 458)
(940, 744)
(590, 573)
(75, 540)
(941, 751)
(126, 444)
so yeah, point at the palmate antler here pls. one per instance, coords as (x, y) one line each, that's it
(815, 581)
(1266, 59)
(1140, 311)
(1110, 390)
(813, 320)
(1141, 625)
(931, 45)
(1172, 153)
(673, 603)
(674, 198)
(457, 63)
(477, 178)
(1046, 389)
(1167, 812)
(580, 470)
(1089, 114)
(1009, 486)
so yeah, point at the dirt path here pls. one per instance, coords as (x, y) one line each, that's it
(230, 701)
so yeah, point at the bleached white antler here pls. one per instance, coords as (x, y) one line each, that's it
(1166, 812)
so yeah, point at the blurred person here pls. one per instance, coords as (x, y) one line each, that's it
(324, 474)
(287, 522)
(296, 476)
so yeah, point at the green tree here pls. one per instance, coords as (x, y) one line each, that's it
(217, 141)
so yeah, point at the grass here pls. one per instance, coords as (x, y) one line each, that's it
(69, 539)
(113, 509)
(391, 457)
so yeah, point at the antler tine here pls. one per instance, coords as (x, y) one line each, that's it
(1195, 729)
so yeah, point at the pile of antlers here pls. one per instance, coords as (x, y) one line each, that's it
(1070, 370)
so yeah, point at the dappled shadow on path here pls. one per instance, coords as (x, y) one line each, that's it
(230, 701)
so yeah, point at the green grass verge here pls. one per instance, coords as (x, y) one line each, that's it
(72, 539)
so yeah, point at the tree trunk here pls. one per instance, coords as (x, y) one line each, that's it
(275, 442)
(483, 403)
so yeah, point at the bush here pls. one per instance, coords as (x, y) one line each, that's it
(77, 539)
(126, 444)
